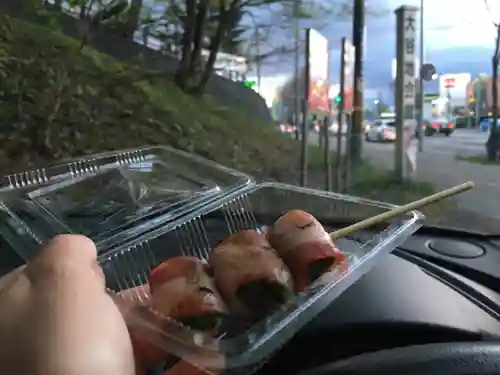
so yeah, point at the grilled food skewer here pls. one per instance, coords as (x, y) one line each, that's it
(402, 210)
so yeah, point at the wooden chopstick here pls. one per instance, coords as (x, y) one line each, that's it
(402, 209)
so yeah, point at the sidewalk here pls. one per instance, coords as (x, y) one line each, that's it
(480, 207)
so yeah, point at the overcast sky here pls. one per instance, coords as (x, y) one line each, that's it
(456, 23)
(459, 37)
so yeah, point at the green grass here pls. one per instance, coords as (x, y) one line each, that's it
(477, 159)
(57, 101)
(381, 185)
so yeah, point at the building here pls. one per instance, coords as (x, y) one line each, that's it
(453, 87)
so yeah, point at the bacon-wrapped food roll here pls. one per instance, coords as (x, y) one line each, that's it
(253, 280)
(305, 246)
(182, 289)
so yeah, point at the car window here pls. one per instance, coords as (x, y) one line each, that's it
(390, 123)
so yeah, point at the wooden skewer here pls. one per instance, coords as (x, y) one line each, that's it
(402, 209)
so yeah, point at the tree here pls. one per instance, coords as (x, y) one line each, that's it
(215, 25)
(207, 23)
(132, 18)
(96, 12)
(119, 14)
(233, 42)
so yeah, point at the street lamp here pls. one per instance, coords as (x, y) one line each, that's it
(377, 106)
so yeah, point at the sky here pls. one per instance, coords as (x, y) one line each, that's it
(456, 23)
(459, 37)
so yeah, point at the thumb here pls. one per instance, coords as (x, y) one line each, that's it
(63, 256)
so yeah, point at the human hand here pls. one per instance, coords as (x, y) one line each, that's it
(56, 317)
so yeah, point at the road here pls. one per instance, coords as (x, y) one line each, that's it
(438, 165)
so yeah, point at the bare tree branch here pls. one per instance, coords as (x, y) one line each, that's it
(488, 9)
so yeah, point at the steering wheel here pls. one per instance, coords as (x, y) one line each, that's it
(471, 358)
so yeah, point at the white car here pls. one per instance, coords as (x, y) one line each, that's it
(382, 130)
(334, 128)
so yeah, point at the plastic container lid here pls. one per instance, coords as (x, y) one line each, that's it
(113, 196)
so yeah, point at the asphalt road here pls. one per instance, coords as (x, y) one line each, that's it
(438, 164)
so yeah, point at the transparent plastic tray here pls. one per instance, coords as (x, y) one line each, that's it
(237, 349)
(111, 197)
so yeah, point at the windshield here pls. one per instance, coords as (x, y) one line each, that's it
(228, 83)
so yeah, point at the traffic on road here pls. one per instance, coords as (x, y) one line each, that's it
(382, 130)
(436, 126)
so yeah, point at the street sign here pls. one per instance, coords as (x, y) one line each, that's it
(316, 89)
(453, 89)
(406, 149)
(449, 83)
(349, 58)
(318, 71)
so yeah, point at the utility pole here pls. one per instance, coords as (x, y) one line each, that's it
(448, 104)
(479, 98)
(296, 26)
(257, 60)
(420, 118)
(341, 117)
(356, 139)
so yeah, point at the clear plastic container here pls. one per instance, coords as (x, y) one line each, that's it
(238, 349)
(110, 197)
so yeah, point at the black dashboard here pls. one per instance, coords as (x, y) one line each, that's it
(438, 287)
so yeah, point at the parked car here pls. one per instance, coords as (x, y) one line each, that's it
(464, 121)
(367, 125)
(286, 128)
(382, 130)
(334, 128)
(433, 126)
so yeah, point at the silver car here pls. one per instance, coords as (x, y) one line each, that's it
(382, 130)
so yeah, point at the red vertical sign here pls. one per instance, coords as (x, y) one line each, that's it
(348, 98)
(318, 55)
